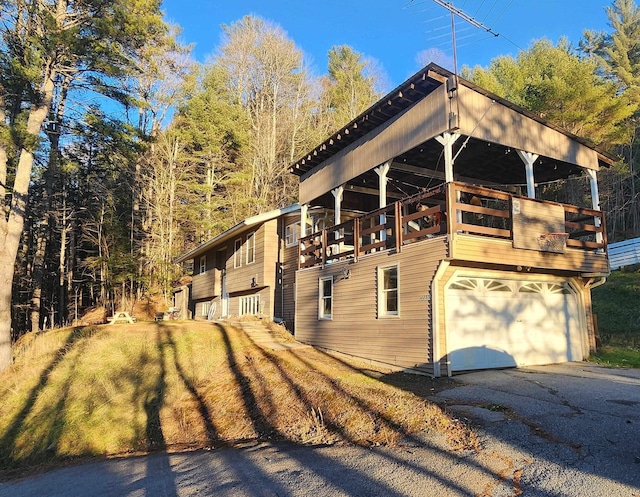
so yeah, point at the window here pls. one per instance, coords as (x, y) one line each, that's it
(249, 306)
(292, 233)
(251, 248)
(388, 291)
(203, 264)
(325, 304)
(237, 254)
(206, 306)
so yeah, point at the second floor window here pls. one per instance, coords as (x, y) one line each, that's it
(251, 248)
(203, 264)
(237, 253)
(292, 233)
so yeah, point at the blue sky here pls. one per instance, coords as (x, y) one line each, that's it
(394, 32)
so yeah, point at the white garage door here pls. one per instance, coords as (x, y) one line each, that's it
(496, 323)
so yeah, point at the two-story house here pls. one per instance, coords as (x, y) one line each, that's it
(423, 238)
(248, 269)
(459, 263)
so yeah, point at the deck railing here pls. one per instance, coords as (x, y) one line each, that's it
(456, 208)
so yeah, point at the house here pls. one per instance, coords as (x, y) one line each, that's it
(424, 239)
(450, 258)
(246, 270)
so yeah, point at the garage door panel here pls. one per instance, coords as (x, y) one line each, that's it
(524, 323)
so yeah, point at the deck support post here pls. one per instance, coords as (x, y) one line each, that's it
(382, 171)
(337, 196)
(528, 158)
(304, 213)
(595, 199)
(447, 140)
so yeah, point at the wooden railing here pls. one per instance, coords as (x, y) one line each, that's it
(451, 208)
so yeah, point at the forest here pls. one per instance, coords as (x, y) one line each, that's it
(118, 152)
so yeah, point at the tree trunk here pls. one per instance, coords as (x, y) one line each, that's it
(11, 226)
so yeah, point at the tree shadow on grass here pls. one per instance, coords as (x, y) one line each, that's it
(9, 439)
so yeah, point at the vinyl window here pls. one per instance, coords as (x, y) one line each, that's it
(251, 248)
(237, 253)
(292, 234)
(203, 264)
(325, 303)
(388, 295)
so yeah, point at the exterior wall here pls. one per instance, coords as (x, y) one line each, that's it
(285, 304)
(266, 304)
(261, 272)
(402, 341)
(497, 123)
(493, 250)
(206, 285)
(419, 123)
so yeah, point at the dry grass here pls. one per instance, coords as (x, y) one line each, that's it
(112, 390)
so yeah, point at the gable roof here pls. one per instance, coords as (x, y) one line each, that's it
(417, 87)
(235, 230)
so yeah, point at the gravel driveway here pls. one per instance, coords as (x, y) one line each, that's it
(554, 431)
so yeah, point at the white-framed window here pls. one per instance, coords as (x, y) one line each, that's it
(292, 234)
(325, 300)
(203, 264)
(237, 253)
(251, 248)
(388, 295)
(249, 305)
(206, 306)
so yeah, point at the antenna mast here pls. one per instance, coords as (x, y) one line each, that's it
(455, 11)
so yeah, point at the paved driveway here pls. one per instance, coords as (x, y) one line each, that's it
(556, 431)
(577, 425)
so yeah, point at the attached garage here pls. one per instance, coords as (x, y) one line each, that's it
(495, 322)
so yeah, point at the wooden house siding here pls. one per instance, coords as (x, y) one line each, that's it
(205, 285)
(239, 279)
(286, 278)
(493, 250)
(355, 329)
(419, 123)
(485, 119)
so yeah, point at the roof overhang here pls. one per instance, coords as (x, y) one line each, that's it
(235, 230)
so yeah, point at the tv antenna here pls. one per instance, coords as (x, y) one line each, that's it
(458, 12)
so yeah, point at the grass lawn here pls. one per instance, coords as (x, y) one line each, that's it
(617, 306)
(116, 390)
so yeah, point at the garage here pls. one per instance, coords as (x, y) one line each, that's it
(499, 323)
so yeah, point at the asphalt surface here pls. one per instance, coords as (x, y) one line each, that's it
(553, 431)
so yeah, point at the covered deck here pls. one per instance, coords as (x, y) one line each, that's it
(482, 224)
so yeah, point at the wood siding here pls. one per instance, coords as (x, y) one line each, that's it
(402, 341)
(285, 304)
(492, 250)
(484, 119)
(419, 123)
(205, 285)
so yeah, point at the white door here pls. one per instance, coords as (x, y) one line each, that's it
(496, 323)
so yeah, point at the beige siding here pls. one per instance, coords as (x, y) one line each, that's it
(285, 293)
(402, 341)
(492, 250)
(239, 279)
(493, 122)
(204, 285)
(419, 123)
(265, 302)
